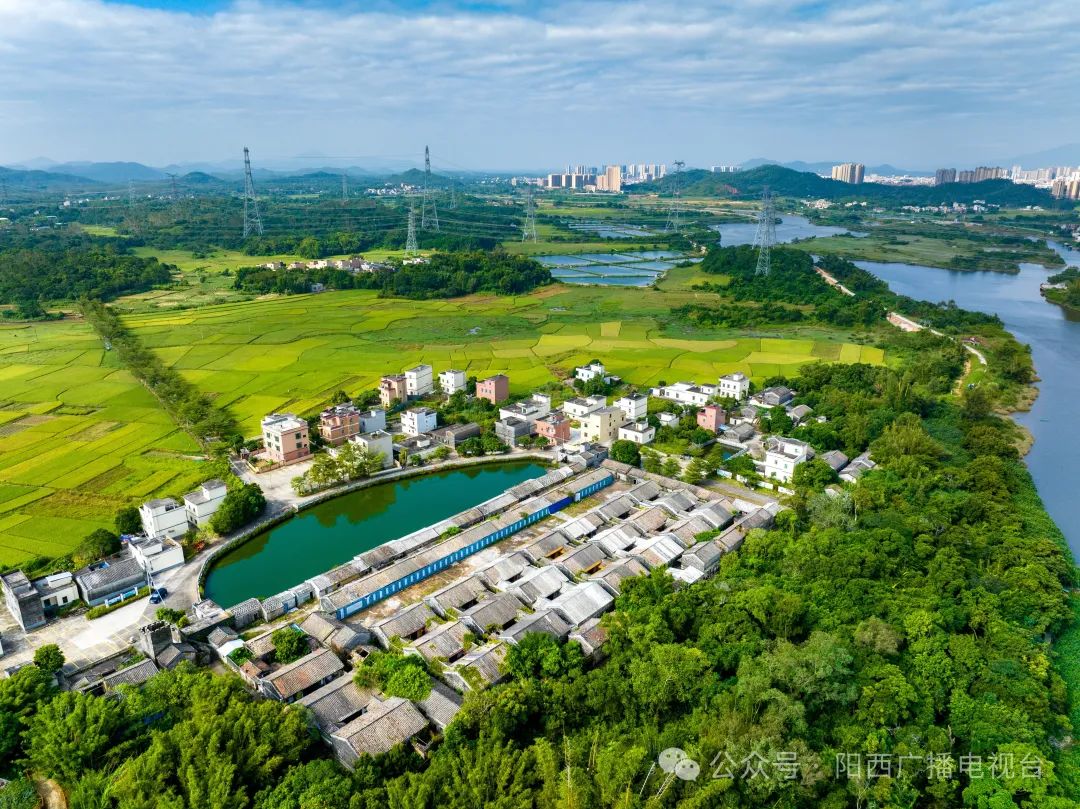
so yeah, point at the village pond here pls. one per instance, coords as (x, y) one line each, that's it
(1054, 336)
(335, 531)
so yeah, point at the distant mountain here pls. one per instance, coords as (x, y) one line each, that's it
(119, 172)
(786, 182)
(825, 167)
(1067, 155)
(36, 180)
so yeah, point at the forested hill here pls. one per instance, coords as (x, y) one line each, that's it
(788, 183)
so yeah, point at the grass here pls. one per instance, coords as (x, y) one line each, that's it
(292, 353)
(79, 437)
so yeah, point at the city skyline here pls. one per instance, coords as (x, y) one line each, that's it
(504, 86)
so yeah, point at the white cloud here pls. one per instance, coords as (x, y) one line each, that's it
(717, 81)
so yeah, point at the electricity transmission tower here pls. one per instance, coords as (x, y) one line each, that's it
(344, 187)
(453, 197)
(3, 193)
(429, 217)
(252, 220)
(131, 193)
(528, 230)
(672, 225)
(765, 237)
(410, 240)
(174, 196)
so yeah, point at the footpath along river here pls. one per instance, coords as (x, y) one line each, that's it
(1054, 336)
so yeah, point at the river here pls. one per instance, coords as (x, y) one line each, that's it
(1054, 337)
(333, 532)
(788, 229)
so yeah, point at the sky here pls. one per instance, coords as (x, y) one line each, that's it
(509, 84)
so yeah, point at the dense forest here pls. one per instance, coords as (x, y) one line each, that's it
(442, 275)
(889, 645)
(38, 268)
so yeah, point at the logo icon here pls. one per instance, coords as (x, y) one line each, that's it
(674, 761)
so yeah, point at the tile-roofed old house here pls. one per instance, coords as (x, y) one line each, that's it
(651, 520)
(245, 613)
(592, 637)
(254, 670)
(676, 503)
(408, 623)
(334, 579)
(220, 636)
(459, 595)
(714, 513)
(174, 654)
(619, 571)
(383, 726)
(497, 612)
(336, 703)
(586, 559)
(302, 676)
(704, 556)
(835, 459)
(441, 705)
(583, 526)
(331, 632)
(658, 551)
(136, 674)
(688, 529)
(444, 642)
(506, 568)
(103, 580)
(617, 507)
(261, 646)
(547, 546)
(546, 622)
(581, 602)
(539, 582)
(617, 538)
(479, 668)
(645, 491)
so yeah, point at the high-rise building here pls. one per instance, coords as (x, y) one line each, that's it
(849, 173)
(965, 176)
(725, 169)
(613, 179)
(1065, 189)
(943, 176)
(988, 173)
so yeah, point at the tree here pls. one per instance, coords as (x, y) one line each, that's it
(128, 520)
(695, 471)
(538, 655)
(289, 644)
(626, 452)
(670, 468)
(49, 658)
(813, 474)
(339, 397)
(238, 508)
(409, 682)
(441, 453)
(96, 545)
(170, 615)
(72, 733)
(650, 461)
(20, 695)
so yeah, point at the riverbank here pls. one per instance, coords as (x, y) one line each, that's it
(333, 525)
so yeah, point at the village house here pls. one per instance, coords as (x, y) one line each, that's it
(419, 420)
(602, 425)
(285, 438)
(109, 580)
(512, 429)
(339, 423)
(163, 517)
(734, 386)
(594, 370)
(580, 407)
(634, 405)
(711, 417)
(495, 388)
(778, 396)
(782, 455)
(418, 381)
(299, 678)
(379, 729)
(530, 410)
(22, 600)
(156, 554)
(685, 393)
(640, 432)
(372, 420)
(857, 467)
(392, 389)
(451, 381)
(378, 442)
(203, 503)
(453, 434)
(555, 427)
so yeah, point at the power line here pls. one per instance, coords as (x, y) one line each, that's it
(672, 225)
(252, 220)
(765, 237)
(428, 221)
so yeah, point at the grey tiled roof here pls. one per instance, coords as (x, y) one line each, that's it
(337, 702)
(303, 673)
(382, 727)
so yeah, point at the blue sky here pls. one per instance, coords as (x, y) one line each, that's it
(515, 84)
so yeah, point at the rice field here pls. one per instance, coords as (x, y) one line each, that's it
(79, 437)
(292, 353)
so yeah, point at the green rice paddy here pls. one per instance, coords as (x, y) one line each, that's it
(79, 437)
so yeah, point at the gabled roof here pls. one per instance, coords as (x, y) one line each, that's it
(539, 582)
(406, 622)
(705, 556)
(650, 520)
(441, 705)
(444, 641)
(456, 594)
(584, 601)
(337, 702)
(618, 507)
(658, 551)
(382, 727)
(583, 526)
(300, 675)
(505, 568)
(546, 622)
(485, 661)
(546, 544)
(499, 610)
(583, 558)
(617, 572)
(132, 675)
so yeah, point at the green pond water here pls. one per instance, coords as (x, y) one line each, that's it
(333, 532)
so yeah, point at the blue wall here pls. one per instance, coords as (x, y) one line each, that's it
(439, 565)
